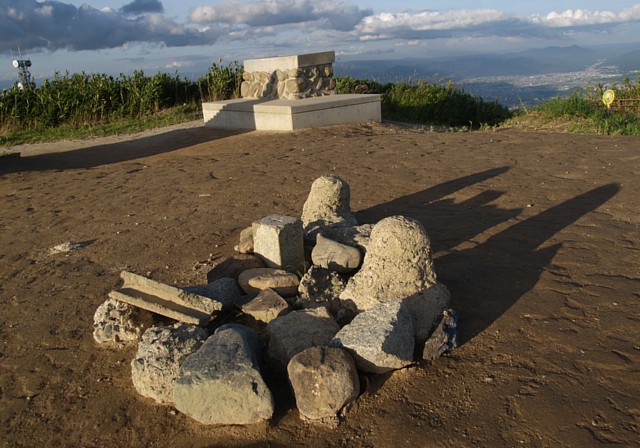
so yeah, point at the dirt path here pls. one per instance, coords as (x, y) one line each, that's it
(536, 235)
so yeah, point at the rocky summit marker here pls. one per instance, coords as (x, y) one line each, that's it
(285, 93)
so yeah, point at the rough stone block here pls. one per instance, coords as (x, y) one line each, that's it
(335, 256)
(116, 321)
(160, 353)
(397, 265)
(256, 280)
(224, 290)
(278, 241)
(380, 339)
(166, 300)
(324, 380)
(266, 306)
(299, 330)
(444, 337)
(221, 383)
(425, 307)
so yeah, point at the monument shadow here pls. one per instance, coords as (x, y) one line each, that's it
(122, 151)
(486, 279)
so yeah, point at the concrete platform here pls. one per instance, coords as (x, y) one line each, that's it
(272, 64)
(288, 115)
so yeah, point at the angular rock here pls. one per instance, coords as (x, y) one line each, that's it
(221, 383)
(354, 236)
(328, 203)
(324, 380)
(337, 257)
(296, 331)
(425, 307)
(224, 290)
(444, 338)
(282, 282)
(278, 240)
(166, 300)
(116, 321)
(232, 267)
(160, 353)
(266, 306)
(380, 339)
(245, 245)
(320, 287)
(397, 265)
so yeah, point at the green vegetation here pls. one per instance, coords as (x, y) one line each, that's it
(584, 112)
(429, 104)
(84, 105)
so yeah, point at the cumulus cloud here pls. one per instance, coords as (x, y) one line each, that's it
(53, 25)
(486, 22)
(142, 6)
(337, 14)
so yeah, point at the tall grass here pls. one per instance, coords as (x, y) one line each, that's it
(429, 103)
(81, 99)
(583, 111)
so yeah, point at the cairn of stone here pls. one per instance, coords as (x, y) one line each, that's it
(362, 300)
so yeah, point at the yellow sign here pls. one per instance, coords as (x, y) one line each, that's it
(608, 97)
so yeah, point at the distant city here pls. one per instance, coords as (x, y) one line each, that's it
(513, 79)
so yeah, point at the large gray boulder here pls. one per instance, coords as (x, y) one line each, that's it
(221, 383)
(324, 380)
(397, 265)
(296, 331)
(328, 204)
(380, 339)
(160, 353)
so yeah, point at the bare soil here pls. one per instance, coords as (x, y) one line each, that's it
(536, 235)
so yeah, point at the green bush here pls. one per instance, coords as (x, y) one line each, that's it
(83, 99)
(589, 113)
(429, 103)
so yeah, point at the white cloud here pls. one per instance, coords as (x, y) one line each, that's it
(53, 25)
(336, 14)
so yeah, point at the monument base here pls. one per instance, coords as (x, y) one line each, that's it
(288, 115)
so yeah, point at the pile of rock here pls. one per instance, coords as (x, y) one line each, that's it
(368, 297)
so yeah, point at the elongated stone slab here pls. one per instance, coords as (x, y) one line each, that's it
(165, 300)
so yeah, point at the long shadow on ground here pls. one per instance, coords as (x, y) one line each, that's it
(115, 152)
(487, 279)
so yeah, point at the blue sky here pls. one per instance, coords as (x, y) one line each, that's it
(114, 36)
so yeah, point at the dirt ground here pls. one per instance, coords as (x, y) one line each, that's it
(535, 234)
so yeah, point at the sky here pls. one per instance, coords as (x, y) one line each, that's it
(115, 36)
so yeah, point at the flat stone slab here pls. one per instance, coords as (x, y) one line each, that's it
(288, 115)
(289, 62)
(165, 300)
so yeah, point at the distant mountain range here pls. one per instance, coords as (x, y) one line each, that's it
(512, 78)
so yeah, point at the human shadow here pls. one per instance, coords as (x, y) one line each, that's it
(488, 278)
(106, 154)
